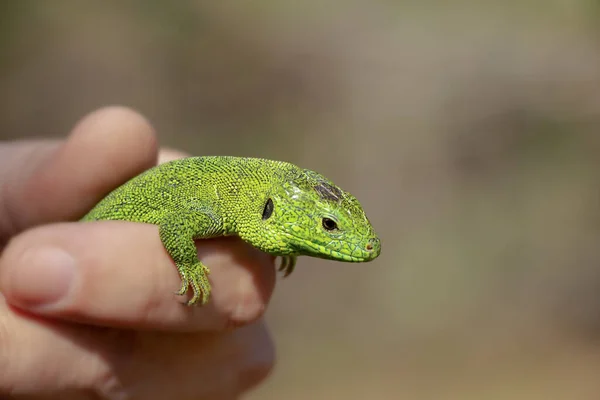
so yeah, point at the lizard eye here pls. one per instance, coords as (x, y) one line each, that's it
(329, 224)
(268, 209)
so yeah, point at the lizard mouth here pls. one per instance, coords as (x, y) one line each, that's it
(354, 253)
(339, 256)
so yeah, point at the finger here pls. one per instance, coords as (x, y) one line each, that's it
(259, 359)
(59, 360)
(44, 181)
(219, 366)
(37, 356)
(118, 274)
(166, 155)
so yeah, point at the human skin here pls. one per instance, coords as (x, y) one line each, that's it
(89, 310)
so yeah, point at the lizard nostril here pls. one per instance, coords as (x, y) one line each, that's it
(372, 244)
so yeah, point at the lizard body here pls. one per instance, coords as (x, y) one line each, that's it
(275, 206)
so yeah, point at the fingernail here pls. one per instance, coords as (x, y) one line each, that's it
(42, 276)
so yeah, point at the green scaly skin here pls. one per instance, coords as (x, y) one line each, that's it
(275, 206)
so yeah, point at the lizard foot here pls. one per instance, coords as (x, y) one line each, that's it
(287, 265)
(196, 276)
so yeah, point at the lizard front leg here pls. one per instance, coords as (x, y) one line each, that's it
(177, 232)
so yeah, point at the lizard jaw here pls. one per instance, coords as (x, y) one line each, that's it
(321, 251)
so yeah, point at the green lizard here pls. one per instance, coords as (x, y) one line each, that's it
(275, 206)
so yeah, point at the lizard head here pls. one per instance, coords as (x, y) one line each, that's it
(309, 215)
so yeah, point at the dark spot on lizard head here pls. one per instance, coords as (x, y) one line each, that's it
(328, 192)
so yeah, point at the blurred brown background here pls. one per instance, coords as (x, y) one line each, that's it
(468, 129)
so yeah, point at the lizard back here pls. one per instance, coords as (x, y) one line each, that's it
(225, 185)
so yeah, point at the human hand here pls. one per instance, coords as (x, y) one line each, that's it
(89, 310)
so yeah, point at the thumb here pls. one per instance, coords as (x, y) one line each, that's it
(48, 181)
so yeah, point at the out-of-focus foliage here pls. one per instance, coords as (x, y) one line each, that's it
(470, 131)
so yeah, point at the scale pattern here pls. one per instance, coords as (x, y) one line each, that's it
(275, 206)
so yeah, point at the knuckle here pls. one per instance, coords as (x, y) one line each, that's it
(249, 308)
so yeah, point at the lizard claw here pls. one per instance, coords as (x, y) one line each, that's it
(287, 265)
(196, 277)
